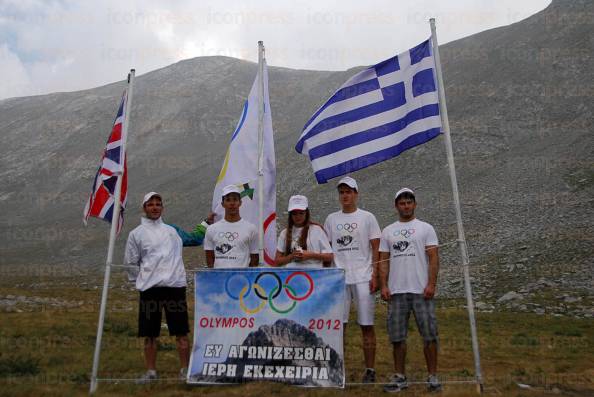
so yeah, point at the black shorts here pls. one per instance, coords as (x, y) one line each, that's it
(152, 303)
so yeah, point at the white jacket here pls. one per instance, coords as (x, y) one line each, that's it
(156, 249)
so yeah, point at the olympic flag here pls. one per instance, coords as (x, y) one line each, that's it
(240, 168)
(282, 325)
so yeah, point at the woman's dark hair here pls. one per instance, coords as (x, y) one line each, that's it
(304, 232)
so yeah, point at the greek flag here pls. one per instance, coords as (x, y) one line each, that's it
(376, 115)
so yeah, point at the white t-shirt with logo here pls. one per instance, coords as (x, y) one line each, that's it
(232, 243)
(349, 234)
(409, 263)
(317, 241)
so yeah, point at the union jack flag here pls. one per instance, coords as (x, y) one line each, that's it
(113, 164)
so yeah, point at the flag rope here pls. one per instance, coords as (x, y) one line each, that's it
(380, 261)
(177, 380)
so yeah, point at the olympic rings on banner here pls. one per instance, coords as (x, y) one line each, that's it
(278, 281)
(271, 303)
(260, 292)
(248, 289)
(242, 304)
(291, 292)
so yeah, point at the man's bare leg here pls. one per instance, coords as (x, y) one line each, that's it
(183, 349)
(150, 353)
(369, 343)
(399, 353)
(430, 351)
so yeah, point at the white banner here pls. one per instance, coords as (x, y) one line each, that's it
(282, 325)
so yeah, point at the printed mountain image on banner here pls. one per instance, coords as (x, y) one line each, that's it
(274, 325)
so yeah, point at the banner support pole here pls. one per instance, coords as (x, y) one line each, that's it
(461, 238)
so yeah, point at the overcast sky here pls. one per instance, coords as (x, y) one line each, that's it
(66, 45)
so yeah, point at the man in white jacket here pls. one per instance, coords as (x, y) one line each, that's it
(154, 255)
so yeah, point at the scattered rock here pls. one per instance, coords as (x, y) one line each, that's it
(13, 303)
(482, 306)
(511, 295)
(571, 299)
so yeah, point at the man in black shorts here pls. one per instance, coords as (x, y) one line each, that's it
(154, 253)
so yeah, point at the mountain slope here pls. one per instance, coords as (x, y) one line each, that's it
(520, 106)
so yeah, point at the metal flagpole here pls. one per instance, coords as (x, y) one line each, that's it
(261, 151)
(112, 236)
(461, 239)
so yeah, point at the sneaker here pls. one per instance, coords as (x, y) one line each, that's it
(183, 374)
(147, 377)
(433, 383)
(397, 383)
(369, 376)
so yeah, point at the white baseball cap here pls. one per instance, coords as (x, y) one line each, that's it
(230, 189)
(403, 190)
(297, 203)
(350, 182)
(149, 196)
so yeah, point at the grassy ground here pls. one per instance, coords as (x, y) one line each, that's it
(47, 350)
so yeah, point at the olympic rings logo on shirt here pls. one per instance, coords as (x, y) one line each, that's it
(230, 236)
(269, 297)
(406, 233)
(349, 227)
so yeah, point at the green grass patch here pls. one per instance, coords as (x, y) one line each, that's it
(50, 353)
(120, 327)
(569, 332)
(19, 366)
(166, 347)
(521, 339)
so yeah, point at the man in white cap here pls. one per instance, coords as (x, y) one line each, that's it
(354, 234)
(154, 256)
(409, 263)
(231, 242)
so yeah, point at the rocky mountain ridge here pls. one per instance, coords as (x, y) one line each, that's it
(520, 107)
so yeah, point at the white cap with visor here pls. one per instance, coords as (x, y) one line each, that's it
(230, 189)
(149, 196)
(297, 202)
(350, 182)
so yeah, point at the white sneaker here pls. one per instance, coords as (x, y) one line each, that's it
(183, 374)
(433, 383)
(397, 383)
(147, 377)
(369, 376)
